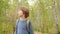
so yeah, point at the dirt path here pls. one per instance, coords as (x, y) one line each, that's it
(37, 33)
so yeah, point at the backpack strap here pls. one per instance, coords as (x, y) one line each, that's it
(16, 26)
(28, 26)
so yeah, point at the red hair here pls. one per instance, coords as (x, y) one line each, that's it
(25, 11)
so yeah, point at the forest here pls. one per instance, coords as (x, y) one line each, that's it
(44, 15)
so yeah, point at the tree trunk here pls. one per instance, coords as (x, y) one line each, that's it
(55, 16)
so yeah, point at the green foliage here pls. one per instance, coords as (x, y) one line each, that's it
(3, 6)
(41, 15)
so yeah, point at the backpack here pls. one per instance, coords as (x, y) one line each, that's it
(28, 26)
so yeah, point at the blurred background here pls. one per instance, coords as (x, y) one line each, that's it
(44, 14)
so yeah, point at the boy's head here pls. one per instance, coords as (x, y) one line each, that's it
(23, 11)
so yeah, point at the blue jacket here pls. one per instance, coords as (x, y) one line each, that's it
(21, 27)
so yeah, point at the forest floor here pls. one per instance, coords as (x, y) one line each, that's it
(37, 32)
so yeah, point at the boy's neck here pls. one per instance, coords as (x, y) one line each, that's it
(22, 18)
